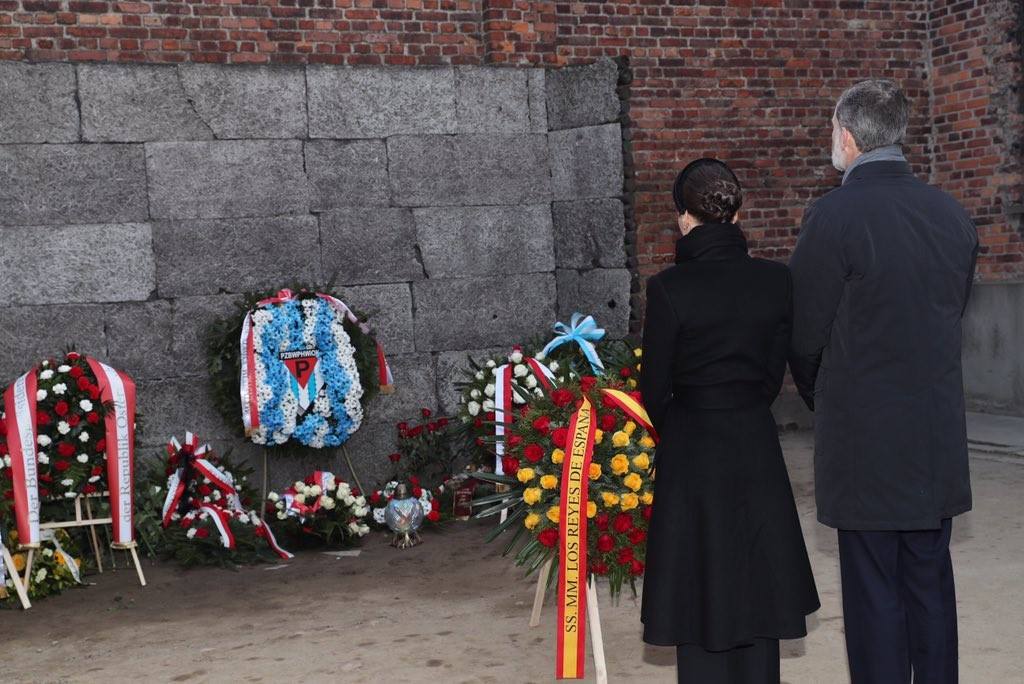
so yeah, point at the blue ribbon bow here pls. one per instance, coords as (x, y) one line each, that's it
(583, 331)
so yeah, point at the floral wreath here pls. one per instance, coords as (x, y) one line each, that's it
(321, 508)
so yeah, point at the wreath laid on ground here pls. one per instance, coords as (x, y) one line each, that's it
(56, 567)
(620, 479)
(318, 510)
(312, 366)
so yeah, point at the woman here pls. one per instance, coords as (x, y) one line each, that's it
(727, 570)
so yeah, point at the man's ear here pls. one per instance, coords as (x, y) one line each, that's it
(849, 143)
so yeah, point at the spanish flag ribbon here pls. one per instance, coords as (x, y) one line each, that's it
(633, 408)
(572, 546)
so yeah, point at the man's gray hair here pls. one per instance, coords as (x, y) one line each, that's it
(875, 112)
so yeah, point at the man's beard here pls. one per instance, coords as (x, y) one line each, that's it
(837, 158)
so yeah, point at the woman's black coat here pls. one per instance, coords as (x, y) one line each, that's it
(726, 561)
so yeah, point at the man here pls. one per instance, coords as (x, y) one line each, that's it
(881, 273)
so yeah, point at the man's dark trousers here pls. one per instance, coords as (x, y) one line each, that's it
(899, 606)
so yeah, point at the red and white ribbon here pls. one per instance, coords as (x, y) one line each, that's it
(503, 402)
(20, 417)
(221, 519)
(118, 389)
(263, 530)
(247, 355)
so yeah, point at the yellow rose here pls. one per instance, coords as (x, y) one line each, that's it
(553, 514)
(548, 481)
(641, 461)
(646, 442)
(591, 509)
(638, 352)
(620, 464)
(647, 498)
(632, 383)
(595, 471)
(60, 559)
(524, 475)
(610, 499)
(638, 367)
(531, 495)
(620, 439)
(598, 436)
(557, 456)
(19, 561)
(630, 501)
(531, 521)
(629, 428)
(633, 481)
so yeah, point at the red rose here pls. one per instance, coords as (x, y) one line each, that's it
(73, 356)
(97, 470)
(62, 465)
(75, 372)
(432, 427)
(43, 477)
(42, 418)
(425, 412)
(559, 436)
(61, 408)
(89, 489)
(533, 453)
(92, 417)
(636, 568)
(623, 523)
(542, 425)
(433, 516)
(510, 465)
(599, 568)
(94, 393)
(601, 521)
(355, 492)
(489, 415)
(44, 492)
(646, 511)
(607, 401)
(587, 382)
(562, 397)
(375, 498)
(204, 490)
(417, 492)
(625, 372)
(83, 383)
(101, 445)
(74, 420)
(608, 422)
(416, 431)
(514, 441)
(202, 533)
(635, 396)
(66, 449)
(395, 457)
(478, 422)
(637, 536)
(414, 480)
(625, 556)
(435, 504)
(605, 543)
(480, 441)
(548, 537)
(442, 422)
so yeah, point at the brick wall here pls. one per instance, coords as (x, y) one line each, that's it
(751, 82)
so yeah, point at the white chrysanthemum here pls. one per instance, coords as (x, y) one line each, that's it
(63, 428)
(553, 366)
(63, 368)
(520, 371)
(301, 498)
(327, 502)
(273, 496)
(538, 392)
(473, 408)
(40, 395)
(530, 382)
(540, 356)
(353, 527)
(41, 575)
(299, 485)
(48, 552)
(41, 457)
(516, 357)
(46, 374)
(67, 482)
(315, 490)
(70, 495)
(83, 437)
(82, 458)
(43, 440)
(489, 390)
(94, 479)
(60, 388)
(475, 394)
(86, 405)
(282, 516)
(360, 500)
(488, 405)
(479, 375)
(191, 532)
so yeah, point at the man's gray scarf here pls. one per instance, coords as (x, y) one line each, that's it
(887, 153)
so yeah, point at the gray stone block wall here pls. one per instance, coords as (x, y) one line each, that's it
(462, 208)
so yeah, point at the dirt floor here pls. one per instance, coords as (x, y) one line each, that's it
(453, 610)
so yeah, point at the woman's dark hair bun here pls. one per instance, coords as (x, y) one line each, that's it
(709, 190)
